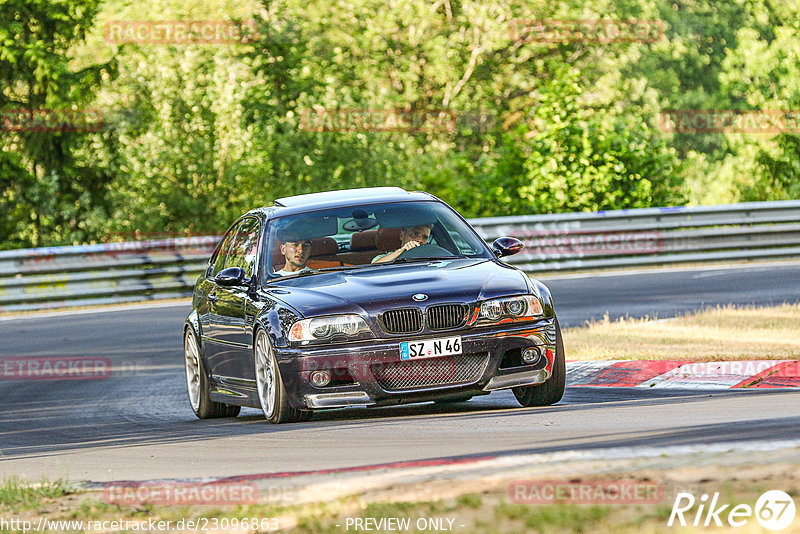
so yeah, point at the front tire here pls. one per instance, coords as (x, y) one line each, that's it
(197, 384)
(553, 389)
(271, 391)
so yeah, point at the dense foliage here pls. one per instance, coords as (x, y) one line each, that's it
(194, 134)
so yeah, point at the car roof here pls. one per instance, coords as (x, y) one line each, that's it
(343, 198)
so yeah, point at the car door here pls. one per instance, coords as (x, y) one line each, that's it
(207, 293)
(229, 327)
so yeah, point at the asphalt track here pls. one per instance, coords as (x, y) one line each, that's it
(136, 424)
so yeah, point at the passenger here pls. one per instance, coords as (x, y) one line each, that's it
(296, 254)
(410, 237)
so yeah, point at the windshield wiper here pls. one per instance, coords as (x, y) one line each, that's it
(309, 272)
(424, 258)
(298, 274)
(341, 268)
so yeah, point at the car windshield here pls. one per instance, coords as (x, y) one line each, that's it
(367, 235)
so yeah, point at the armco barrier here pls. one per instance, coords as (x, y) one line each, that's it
(121, 272)
(650, 236)
(56, 277)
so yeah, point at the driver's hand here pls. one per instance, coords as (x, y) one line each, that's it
(409, 245)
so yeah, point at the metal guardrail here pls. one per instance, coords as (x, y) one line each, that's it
(651, 236)
(57, 277)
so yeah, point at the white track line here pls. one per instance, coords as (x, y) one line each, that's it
(147, 305)
(625, 272)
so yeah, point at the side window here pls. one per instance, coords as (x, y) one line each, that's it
(244, 247)
(222, 253)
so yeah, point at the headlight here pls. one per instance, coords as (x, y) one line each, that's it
(492, 309)
(513, 307)
(326, 327)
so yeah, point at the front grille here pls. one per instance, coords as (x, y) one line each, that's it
(430, 372)
(446, 316)
(405, 321)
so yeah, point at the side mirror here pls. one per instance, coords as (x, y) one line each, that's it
(506, 246)
(232, 276)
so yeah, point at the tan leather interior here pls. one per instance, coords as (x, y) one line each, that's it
(388, 239)
(363, 240)
(323, 254)
(364, 246)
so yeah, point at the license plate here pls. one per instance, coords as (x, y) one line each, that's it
(430, 348)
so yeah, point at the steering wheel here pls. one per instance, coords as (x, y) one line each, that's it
(426, 251)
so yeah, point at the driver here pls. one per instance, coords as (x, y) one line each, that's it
(410, 237)
(296, 254)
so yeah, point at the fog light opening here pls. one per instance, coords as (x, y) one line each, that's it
(320, 378)
(531, 355)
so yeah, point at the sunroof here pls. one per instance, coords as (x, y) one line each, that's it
(332, 196)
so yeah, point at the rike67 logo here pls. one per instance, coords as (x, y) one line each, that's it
(774, 510)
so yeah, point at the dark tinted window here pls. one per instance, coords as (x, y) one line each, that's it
(218, 260)
(358, 235)
(244, 247)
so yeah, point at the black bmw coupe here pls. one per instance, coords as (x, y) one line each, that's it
(365, 297)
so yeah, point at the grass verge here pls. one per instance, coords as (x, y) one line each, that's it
(484, 510)
(721, 333)
(16, 494)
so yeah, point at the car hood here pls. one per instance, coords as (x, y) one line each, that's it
(377, 288)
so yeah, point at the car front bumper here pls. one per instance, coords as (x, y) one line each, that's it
(487, 363)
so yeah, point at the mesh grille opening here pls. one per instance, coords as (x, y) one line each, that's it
(430, 372)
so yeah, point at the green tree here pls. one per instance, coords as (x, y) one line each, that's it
(460, 57)
(763, 71)
(566, 157)
(47, 191)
